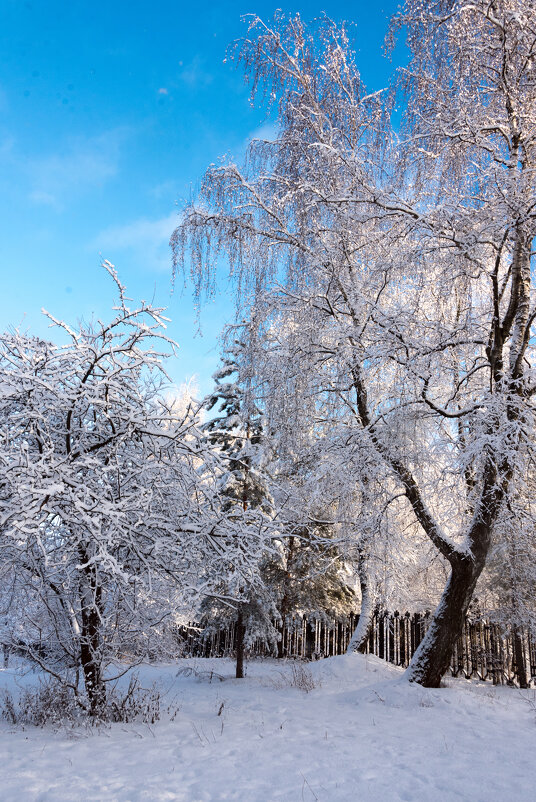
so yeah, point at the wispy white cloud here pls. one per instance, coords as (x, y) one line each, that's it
(147, 239)
(194, 74)
(85, 163)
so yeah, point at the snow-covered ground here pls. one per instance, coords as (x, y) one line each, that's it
(363, 733)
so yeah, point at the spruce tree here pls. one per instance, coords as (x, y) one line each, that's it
(237, 432)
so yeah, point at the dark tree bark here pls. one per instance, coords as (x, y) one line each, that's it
(432, 658)
(519, 657)
(240, 634)
(91, 638)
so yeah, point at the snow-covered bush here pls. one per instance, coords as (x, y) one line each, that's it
(51, 702)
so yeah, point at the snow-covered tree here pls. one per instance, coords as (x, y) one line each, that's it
(110, 514)
(306, 574)
(401, 264)
(506, 591)
(236, 430)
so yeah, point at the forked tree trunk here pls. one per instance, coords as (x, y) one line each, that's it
(432, 658)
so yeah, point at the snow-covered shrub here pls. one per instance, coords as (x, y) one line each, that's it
(135, 704)
(300, 677)
(57, 703)
(52, 702)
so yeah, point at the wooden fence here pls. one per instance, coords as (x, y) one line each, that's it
(483, 650)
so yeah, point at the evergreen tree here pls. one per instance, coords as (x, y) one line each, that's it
(237, 432)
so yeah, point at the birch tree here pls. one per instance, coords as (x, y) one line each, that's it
(400, 260)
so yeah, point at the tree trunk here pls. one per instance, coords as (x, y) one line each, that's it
(519, 657)
(91, 639)
(90, 657)
(284, 607)
(432, 659)
(281, 641)
(358, 641)
(240, 633)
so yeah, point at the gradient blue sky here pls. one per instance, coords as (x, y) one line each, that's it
(109, 115)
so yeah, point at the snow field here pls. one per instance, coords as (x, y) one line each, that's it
(361, 734)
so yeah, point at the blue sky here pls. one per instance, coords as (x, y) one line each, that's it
(109, 115)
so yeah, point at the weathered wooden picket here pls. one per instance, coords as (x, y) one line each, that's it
(483, 650)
